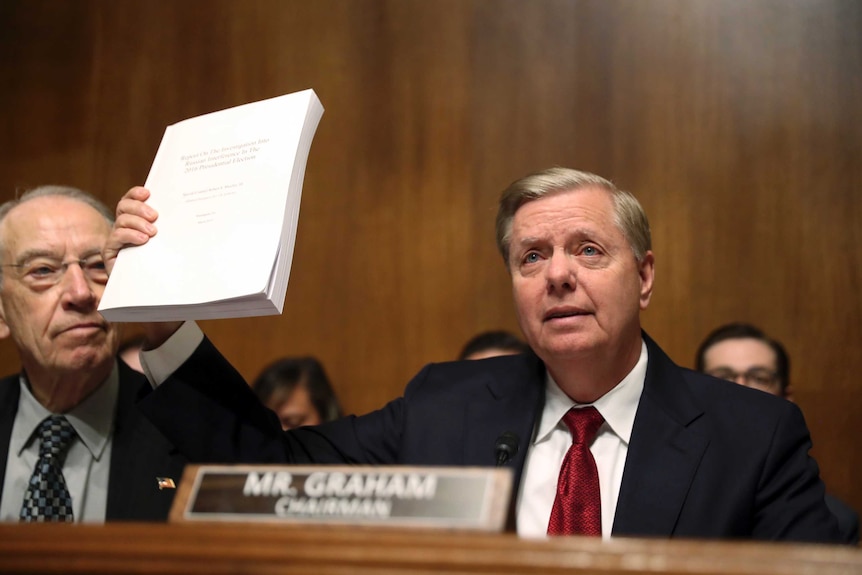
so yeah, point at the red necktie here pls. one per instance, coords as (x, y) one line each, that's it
(577, 507)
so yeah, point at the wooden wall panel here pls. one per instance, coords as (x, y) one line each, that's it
(738, 124)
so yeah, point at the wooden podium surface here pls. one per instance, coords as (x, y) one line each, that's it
(253, 548)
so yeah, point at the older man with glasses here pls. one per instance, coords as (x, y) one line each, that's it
(744, 354)
(73, 446)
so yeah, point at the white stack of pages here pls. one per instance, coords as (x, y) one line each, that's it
(227, 187)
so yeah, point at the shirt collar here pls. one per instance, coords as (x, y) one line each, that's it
(618, 406)
(92, 419)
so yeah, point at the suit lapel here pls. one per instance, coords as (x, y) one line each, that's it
(10, 391)
(512, 402)
(138, 455)
(664, 452)
(123, 459)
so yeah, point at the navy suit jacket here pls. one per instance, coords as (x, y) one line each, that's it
(139, 453)
(848, 519)
(707, 459)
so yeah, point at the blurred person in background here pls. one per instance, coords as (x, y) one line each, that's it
(298, 391)
(743, 353)
(492, 344)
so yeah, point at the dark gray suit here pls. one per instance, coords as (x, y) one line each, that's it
(848, 519)
(707, 459)
(139, 453)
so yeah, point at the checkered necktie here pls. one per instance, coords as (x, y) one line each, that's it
(47, 498)
(577, 507)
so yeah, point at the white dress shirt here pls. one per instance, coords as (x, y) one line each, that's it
(158, 364)
(552, 439)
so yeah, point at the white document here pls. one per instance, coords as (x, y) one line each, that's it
(227, 187)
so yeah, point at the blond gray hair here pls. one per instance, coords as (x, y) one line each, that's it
(629, 215)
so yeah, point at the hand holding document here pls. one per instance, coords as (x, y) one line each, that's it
(227, 187)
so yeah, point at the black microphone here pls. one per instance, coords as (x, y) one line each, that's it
(506, 447)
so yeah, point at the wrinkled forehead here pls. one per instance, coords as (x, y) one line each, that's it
(52, 225)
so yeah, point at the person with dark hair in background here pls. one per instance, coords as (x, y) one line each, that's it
(73, 446)
(743, 353)
(298, 391)
(493, 344)
(665, 451)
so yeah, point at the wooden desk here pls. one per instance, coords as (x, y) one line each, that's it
(241, 548)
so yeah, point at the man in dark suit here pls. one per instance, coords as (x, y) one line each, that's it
(674, 453)
(743, 353)
(116, 465)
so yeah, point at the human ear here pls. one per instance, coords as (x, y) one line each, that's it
(4, 327)
(646, 270)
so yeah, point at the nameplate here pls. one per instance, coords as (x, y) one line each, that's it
(474, 498)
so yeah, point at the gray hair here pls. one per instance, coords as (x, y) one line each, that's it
(48, 191)
(629, 215)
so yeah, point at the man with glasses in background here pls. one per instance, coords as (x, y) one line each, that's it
(743, 353)
(73, 446)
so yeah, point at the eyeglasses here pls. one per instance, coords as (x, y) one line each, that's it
(44, 272)
(755, 377)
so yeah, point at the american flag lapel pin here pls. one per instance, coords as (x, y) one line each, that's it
(165, 483)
